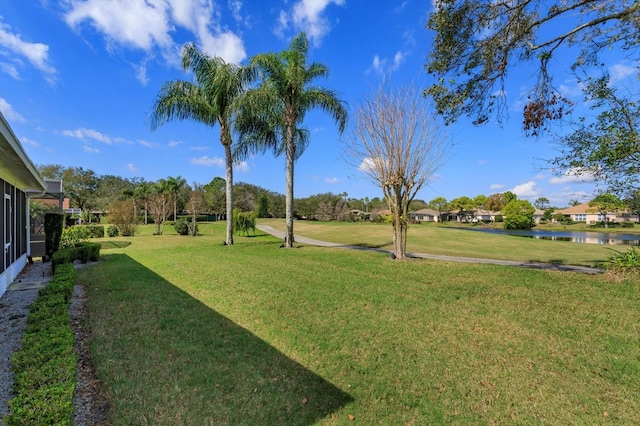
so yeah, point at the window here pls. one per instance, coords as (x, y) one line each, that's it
(580, 218)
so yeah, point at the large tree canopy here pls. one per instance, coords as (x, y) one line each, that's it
(607, 148)
(478, 41)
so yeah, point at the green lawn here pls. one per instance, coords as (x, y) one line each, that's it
(447, 240)
(187, 331)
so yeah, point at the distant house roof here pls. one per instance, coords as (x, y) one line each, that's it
(426, 212)
(579, 209)
(15, 167)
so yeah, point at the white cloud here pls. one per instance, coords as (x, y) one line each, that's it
(83, 134)
(199, 148)
(226, 45)
(572, 176)
(308, 16)
(149, 25)
(175, 143)
(398, 59)
(527, 189)
(242, 166)
(496, 186)
(377, 64)
(90, 150)
(10, 70)
(9, 113)
(620, 72)
(332, 181)
(132, 168)
(235, 6)
(381, 65)
(27, 141)
(36, 53)
(147, 143)
(367, 165)
(400, 8)
(207, 161)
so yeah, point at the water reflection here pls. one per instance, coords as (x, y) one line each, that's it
(585, 237)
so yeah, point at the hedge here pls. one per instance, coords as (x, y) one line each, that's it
(84, 253)
(45, 368)
(95, 231)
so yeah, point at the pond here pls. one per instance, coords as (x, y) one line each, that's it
(587, 237)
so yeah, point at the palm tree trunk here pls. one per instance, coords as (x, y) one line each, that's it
(229, 192)
(290, 154)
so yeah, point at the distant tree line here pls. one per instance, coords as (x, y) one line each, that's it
(165, 199)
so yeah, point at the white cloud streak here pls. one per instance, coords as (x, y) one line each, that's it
(527, 189)
(572, 176)
(84, 134)
(208, 161)
(308, 16)
(9, 113)
(15, 48)
(150, 25)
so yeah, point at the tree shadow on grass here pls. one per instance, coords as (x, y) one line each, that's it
(168, 358)
(373, 246)
(106, 245)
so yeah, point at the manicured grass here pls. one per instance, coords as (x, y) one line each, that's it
(446, 240)
(187, 331)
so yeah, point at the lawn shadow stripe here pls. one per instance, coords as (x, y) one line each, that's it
(171, 359)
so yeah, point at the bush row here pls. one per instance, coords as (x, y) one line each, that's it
(45, 367)
(84, 253)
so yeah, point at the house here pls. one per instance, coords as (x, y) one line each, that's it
(360, 215)
(54, 201)
(18, 178)
(538, 215)
(425, 215)
(585, 213)
(475, 215)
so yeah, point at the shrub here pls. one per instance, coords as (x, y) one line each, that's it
(518, 215)
(53, 232)
(84, 253)
(45, 367)
(112, 231)
(627, 224)
(95, 231)
(243, 222)
(74, 236)
(623, 263)
(123, 215)
(182, 227)
(499, 218)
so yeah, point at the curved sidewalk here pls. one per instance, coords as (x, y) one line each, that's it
(531, 265)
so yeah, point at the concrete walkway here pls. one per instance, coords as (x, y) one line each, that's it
(533, 265)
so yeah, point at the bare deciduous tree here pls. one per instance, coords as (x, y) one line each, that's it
(397, 143)
(195, 206)
(159, 208)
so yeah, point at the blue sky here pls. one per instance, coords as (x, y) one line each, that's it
(78, 79)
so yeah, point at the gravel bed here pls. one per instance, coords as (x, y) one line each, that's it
(14, 308)
(90, 405)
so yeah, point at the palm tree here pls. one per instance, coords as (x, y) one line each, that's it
(175, 185)
(209, 100)
(271, 115)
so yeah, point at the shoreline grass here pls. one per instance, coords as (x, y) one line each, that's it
(186, 331)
